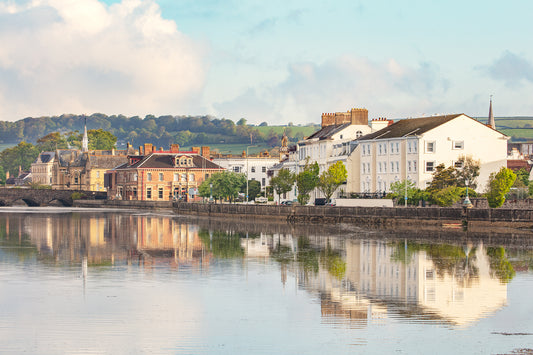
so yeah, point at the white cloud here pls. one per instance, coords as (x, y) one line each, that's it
(81, 56)
(386, 89)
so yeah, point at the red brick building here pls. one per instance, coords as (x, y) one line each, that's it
(160, 175)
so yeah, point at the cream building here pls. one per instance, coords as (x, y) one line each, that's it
(41, 169)
(412, 148)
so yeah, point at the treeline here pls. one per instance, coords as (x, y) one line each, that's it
(161, 131)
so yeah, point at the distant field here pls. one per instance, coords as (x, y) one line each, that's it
(517, 127)
(234, 148)
(5, 146)
(306, 130)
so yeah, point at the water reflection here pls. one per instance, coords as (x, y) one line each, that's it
(357, 280)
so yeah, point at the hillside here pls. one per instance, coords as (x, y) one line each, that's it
(162, 131)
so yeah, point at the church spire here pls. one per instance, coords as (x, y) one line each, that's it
(85, 140)
(491, 121)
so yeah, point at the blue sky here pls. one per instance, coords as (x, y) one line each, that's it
(275, 61)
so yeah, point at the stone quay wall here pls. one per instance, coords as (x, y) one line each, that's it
(385, 216)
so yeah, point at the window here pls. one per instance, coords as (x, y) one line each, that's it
(379, 148)
(160, 193)
(253, 169)
(415, 146)
(263, 169)
(458, 145)
(409, 147)
(414, 166)
(263, 181)
(397, 166)
(409, 166)
(149, 176)
(384, 167)
(237, 169)
(430, 166)
(176, 177)
(397, 147)
(379, 167)
(363, 168)
(134, 176)
(458, 164)
(148, 193)
(160, 176)
(191, 177)
(358, 134)
(391, 147)
(391, 166)
(184, 177)
(97, 174)
(430, 147)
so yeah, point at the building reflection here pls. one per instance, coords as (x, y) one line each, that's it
(108, 239)
(357, 280)
(456, 285)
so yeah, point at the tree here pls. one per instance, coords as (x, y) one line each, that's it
(51, 142)
(399, 189)
(101, 140)
(499, 184)
(226, 185)
(283, 182)
(469, 172)
(241, 122)
(447, 196)
(21, 155)
(522, 175)
(307, 181)
(254, 188)
(442, 177)
(331, 179)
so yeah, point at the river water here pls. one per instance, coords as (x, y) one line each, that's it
(75, 281)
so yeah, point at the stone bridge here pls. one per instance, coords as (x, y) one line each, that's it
(43, 197)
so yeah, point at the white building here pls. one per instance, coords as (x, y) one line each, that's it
(255, 167)
(412, 148)
(330, 144)
(41, 169)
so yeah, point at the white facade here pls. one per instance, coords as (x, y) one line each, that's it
(41, 169)
(381, 159)
(254, 167)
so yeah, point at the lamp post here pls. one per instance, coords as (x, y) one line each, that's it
(210, 192)
(247, 170)
(466, 202)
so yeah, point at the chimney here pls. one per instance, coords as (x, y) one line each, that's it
(148, 148)
(206, 152)
(195, 150)
(113, 151)
(141, 150)
(379, 123)
(359, 116)
(174, 148)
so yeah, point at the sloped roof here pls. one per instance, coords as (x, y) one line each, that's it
(106, 161)
(410, 127)
(166, 161)
(45, 157)
(328, 131)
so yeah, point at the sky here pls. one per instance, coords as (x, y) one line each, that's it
(265, 61)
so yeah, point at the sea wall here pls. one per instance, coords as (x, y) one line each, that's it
(378, 216)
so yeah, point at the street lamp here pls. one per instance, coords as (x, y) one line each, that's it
(210, 192)
(247, 170)
(466, 202)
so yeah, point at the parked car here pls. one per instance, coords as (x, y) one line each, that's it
(261, 199)
(286, 202)
(320, 201)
